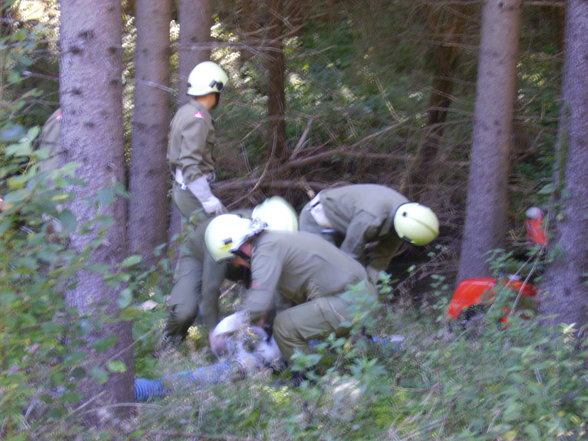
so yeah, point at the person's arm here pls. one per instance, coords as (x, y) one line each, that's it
(266, 269)
(384, 251)
(192, 151)
(358, 233)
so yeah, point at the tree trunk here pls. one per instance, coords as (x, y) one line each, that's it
(149, 175)
(92, 134)
(195, 17)
(566, 276)
(276, 68)
(448, 23)
(486, 212)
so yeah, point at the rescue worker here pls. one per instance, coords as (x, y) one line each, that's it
(365, 215)
(311, 273)
(189, 154)
(191, 142)
(199, 276)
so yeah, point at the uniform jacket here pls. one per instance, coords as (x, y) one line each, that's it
(299, 266)
(191, 141)
(362, 212)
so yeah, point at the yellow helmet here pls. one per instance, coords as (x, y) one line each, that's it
(277, 213)
(416, 223)
(226, 233)
(206, 77)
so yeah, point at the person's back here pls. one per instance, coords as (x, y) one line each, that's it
(301, 267)
(343, 204)
(373, 220)
(316, 276)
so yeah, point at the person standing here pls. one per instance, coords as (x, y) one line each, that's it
(190, 157)
(369, 214)
(191, 142)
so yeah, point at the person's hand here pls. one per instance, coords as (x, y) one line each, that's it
(220, 335)
(213, 206)
(201, 189)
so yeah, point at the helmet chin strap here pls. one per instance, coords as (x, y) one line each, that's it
(243, 255)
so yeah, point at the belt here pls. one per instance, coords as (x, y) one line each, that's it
(179, 178)
(317, 212)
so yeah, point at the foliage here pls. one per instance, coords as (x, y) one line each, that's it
(354, 70)
(524, 381)
(43, 349)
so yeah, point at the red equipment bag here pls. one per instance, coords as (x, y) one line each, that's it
(472, 292)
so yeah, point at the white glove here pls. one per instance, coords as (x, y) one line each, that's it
(221, 336)
(213, 206)
(201, 189)
(231, 323)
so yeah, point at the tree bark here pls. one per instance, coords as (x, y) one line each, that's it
(195, 17)
(486, 211)
(566, 275)
(148, 180)
(92, 134)
(448, 23)
(276, 68)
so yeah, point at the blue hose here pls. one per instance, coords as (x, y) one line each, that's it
(146, 389)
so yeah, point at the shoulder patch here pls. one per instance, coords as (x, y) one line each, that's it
(198, 114)
(58, 116)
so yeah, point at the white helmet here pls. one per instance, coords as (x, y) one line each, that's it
(277, 213)
(416, 223)
(226, 233)
(207, 77)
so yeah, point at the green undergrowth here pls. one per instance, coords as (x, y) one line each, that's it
(488, 381)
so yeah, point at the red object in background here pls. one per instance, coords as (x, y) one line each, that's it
(536, 231)
(535, 226)
(479, 291)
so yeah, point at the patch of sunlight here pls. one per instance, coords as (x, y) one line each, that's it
(292, 42)
(278, 396)
(174, 30)
(296, 80)
(40, 10)
(535, 78)
(417, 96)
(347, 93)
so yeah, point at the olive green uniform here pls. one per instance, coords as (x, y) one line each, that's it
(363, 213)
(191, 143)
(198, 278)
(311, 273)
